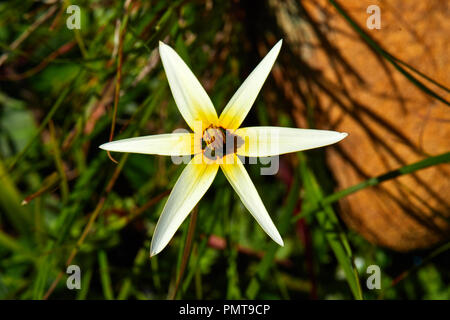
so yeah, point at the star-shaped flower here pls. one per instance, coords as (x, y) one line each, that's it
(217, 142)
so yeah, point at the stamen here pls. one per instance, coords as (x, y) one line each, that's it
(218, 142)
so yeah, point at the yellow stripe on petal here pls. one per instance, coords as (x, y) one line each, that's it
(171, 144)
(271, 141)
(190, 97)
(244, 187)
(241, 102)
(190, 187)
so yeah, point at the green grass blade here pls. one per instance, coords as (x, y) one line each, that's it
(85, 284)
(423, 75)
(375, 46)
(13, 245)
(410, 168)
(127, 284)
(44, 268)
(19, 216)
(333, 232)
(43, 124)
(283, 227)
(105, 276)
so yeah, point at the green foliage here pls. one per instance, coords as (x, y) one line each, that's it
(63, 201)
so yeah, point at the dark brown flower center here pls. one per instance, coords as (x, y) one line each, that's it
(217, 142)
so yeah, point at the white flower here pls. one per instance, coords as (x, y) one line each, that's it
(209, 144)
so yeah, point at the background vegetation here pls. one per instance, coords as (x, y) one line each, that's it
(63, 201)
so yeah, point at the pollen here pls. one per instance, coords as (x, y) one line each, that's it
(218, 142)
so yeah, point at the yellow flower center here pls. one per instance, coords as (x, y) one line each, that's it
(218, 142)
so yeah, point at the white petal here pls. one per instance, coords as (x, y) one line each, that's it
(244, 187)
(190, 97)
(192, 184)
(271, 141)
(241, 102)
(171, 144)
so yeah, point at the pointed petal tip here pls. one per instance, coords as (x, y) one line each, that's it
(277, 238)
(239, 105)
(280, 242)
(277, 47)
(190, 97)
(162, 46)
(107, 146)
(154, 251)
(103, 146)
(156, 245)
(344, 134)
